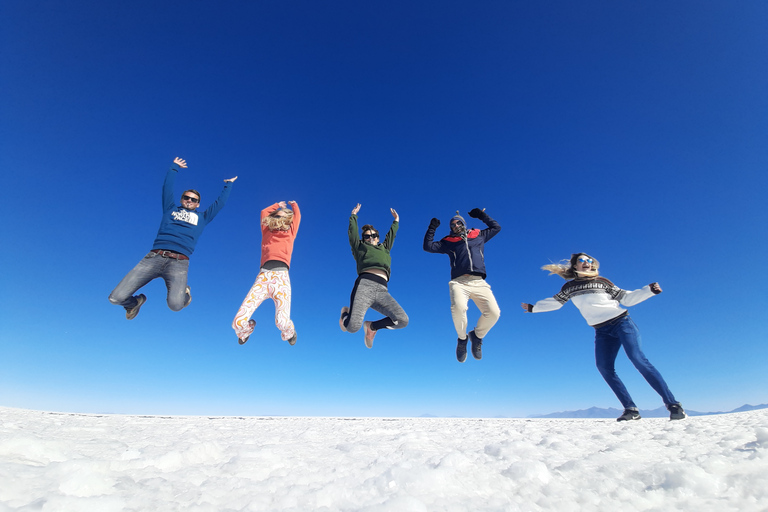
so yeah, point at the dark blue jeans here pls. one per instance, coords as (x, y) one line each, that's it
(609, 338)
(173, 272)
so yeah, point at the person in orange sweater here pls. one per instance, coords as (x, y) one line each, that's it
(279, 225)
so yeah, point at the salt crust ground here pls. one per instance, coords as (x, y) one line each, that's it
(103, 463)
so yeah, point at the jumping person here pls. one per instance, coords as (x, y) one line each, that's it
(370, 290)
(279, 225)
(180, 229)
(599, 301)
(466, 249)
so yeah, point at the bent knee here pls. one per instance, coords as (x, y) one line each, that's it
(402, 322)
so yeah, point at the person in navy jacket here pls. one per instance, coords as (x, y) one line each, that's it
(465, 248)
(180, 229)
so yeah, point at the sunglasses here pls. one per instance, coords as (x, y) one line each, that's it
(586, 260)
(193, 199)
(456, 223)
(372, 235)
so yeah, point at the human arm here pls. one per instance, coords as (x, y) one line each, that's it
(542, 306)
(269, 209)
(296, 215)
(429, 244)
(630, 298)
(389, 240)
(168, 200)
(354, 235)
(493, 226)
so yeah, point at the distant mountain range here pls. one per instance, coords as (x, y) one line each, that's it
(661, 412)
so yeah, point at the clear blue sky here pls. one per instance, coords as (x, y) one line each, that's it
(635, 131)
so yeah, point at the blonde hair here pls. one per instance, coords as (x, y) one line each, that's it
(566, 268)
(274, 222)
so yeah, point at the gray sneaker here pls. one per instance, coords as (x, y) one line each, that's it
(629, 414)
(189, 294)
(131, 313)
(676, 411)
(477, 345)
(292, 341)
(461, 350)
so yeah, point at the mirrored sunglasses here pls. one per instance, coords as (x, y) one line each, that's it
(586, 260)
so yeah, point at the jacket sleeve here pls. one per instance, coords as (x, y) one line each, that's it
(217, 205)
(296, 218)
(269, 209)
(493, 227)
(168, 184)
(548, 304)
(627, 298)
(354, 237)
(429, 242)
(389, 240)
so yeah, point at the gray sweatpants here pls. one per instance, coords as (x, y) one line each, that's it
(369, 293)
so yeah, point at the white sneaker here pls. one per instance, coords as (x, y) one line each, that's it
(369, 334)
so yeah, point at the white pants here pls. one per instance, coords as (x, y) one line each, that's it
(465, 288)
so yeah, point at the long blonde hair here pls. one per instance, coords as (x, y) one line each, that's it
(566, 268)
(274, 222)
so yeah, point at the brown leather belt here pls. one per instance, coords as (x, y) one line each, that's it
(170, 254)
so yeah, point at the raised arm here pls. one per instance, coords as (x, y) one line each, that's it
(389, 240)
(354, 236)
(429, 244)
(170, 180)
(493, 226)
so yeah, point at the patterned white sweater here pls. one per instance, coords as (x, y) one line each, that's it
(598, 299)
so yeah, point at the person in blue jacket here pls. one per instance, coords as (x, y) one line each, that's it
(465, 248)
(180, 229)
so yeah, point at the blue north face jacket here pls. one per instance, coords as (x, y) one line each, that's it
(181, 228)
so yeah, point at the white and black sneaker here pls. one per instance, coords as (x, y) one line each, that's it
(629, 414)
(344, 316)
(676, 411)
(131, 313)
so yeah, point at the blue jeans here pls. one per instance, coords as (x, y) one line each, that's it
(622, 332)
(173, 272)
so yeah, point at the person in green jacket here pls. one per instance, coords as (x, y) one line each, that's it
(370, 290)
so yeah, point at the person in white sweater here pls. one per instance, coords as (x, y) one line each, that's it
(599, 301)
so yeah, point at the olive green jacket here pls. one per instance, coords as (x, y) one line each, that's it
(371, 256)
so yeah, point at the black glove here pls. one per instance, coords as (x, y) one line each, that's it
(434, 223)
(476, 213)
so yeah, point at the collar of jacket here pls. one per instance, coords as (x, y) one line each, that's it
(472, 233)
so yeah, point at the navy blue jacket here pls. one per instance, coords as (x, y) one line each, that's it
(180, 228)
(465, 251)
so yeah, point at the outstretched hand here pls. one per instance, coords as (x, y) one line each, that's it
(476, 213)
(230, 179)
(655, 287)
(526, 307)
(180, 162)
(394, 214)
(356, 209)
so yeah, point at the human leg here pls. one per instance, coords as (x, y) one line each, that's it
(395, 315)
(629, 335)
(483, 298)
(459, 305)
(280, 291)
(145, 271)
(175, 276)
(363, 295)
(606, 349)
(256, 295)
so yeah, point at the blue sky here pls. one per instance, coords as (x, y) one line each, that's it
(635, 131)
